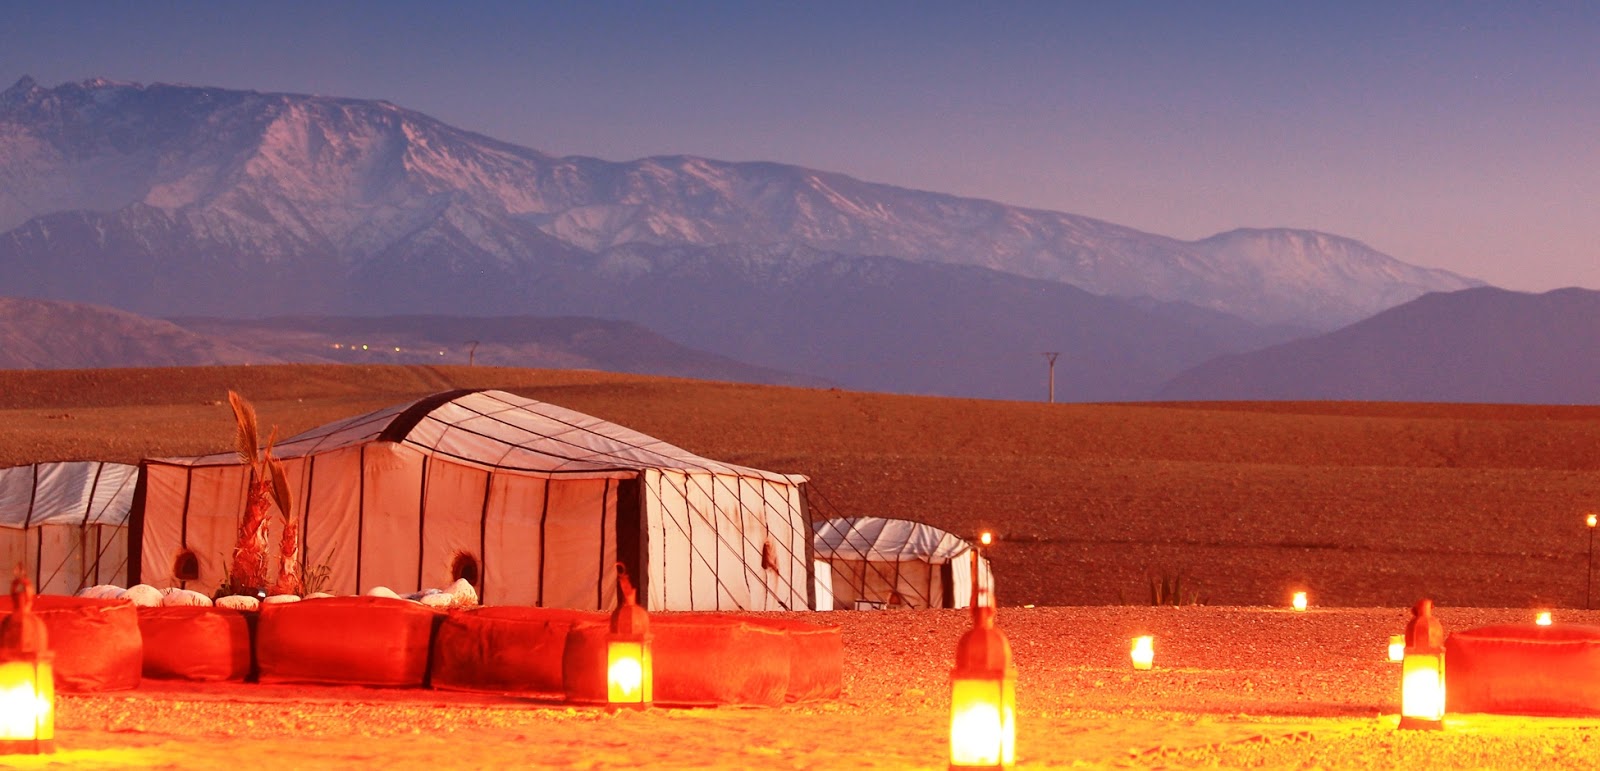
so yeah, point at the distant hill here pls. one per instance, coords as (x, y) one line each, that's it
(508, 341)
(1477, 345)
(45, 334)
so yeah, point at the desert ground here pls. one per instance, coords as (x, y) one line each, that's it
(1365, 506)
(1232, 688)
(1359, 504)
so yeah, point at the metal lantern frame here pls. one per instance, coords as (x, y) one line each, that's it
(630, 666)
(983, 692)
(27, 677)
(1422, 685)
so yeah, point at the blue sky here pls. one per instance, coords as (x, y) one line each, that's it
(1461, 135)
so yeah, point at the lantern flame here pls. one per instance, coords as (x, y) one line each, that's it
(982, 731)
(625, 672)
(1144, 652)
(1397, 647)
(1422, 688)
(1299, 601)
(1543, 619)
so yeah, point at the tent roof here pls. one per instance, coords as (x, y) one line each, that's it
(505, 431)
(67, 493)
(882, 539)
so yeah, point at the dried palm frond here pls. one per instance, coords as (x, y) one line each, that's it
(245, 416)
(280, 487)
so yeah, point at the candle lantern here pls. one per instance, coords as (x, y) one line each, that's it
(27, 679)
(629, 672)
(1397, 647)
(1422, 671)
(1144, 652)
(983, 692)
(1299, 601)
(1543, 619)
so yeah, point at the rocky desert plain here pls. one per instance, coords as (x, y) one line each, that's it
(1366, 507)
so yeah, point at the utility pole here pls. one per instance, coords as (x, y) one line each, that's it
(1051, 355)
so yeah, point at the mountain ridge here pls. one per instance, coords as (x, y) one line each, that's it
(1480, 345)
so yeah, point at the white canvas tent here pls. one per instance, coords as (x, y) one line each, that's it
(67, 522)
(533, 503)
(896, 563)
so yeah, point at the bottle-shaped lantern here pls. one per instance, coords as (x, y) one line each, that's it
(983, 692)
(1422, 671)
(629, 672)
(27, 677)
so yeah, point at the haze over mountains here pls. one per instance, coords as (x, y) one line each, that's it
(183, 201)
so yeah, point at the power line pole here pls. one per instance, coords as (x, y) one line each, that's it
(1051, 355)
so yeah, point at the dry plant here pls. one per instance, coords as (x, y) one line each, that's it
(268, 485)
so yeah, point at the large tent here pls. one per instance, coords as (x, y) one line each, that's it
(533, 503)
(67, 522)
(896, 563)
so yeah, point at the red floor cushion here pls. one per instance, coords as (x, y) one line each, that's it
(506, 649)
(816, 659)
(1524, 669)
(197, 643)
(699, 659)
(97, 644)
(346, 641)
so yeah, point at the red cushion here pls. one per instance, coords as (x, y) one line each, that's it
(504, 648)
(97, 644)
(1524, 669)
(197, 643)
(346, 641)
(698, 660)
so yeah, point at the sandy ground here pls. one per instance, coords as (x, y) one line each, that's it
(1233, 687)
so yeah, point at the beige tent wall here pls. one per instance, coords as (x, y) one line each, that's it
(580, 544)
(216, 497)
(391, 519)
(331, 524)
(706, 534)
(67, 558)
(14, 547)
(512, 546)
(454, 496)
(668, 553)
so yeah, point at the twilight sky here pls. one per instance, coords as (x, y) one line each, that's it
(1461, 135)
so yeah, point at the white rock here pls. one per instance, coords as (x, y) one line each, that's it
(239, 602)
(438, 600)
(463, 593)
(317, 595)
(144, 595)
(382, 591)
(280, 598)
(184, 598)
(102, 592)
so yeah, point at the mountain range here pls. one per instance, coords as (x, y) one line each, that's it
(172, 200)
(1476, 345)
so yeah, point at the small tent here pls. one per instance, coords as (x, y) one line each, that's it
(534, 504)
(896, 563)
(67, 522)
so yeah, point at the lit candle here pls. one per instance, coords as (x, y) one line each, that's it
(1397, 647)
(1144, 652)
(1300, 601)
(1543, 618)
